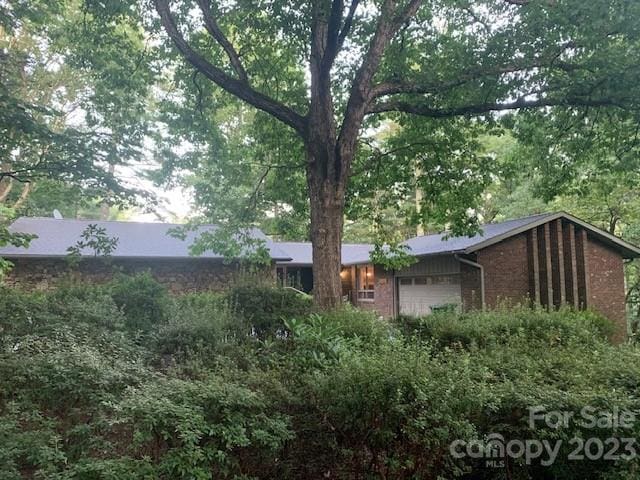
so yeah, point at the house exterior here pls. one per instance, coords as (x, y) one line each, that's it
(551, 259)
(141, 247)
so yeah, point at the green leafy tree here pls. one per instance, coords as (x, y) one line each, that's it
(330, 70)
(68, 118)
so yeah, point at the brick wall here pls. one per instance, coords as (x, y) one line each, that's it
(470, 287)
(555, 264)
(506, 272)
(385, 292)
(606, 292)
(179, 276)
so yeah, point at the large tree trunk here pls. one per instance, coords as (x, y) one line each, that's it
(327, 210)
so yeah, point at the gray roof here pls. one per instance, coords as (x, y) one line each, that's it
(135, 239)
(301, 253)
(491, 233)
(439, 243)
(152, 240)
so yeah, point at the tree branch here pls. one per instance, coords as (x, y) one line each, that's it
(348, 23)
(333, 32)
(5, 190)
(481, 108)
(232, 85)
(390, 21)
(392, 88)
(214, 30)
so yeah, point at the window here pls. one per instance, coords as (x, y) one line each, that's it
(365, 282)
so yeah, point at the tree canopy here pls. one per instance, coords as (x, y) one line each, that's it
(303, 115)
(332, 71)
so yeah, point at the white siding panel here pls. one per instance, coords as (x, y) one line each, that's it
(416, 298)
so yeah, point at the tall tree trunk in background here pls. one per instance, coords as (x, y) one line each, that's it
(24, 194)
(105, 208)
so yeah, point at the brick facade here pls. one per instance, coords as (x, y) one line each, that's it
(179, 276)
(506, 272)
(385, 292)
(470, 287)
(383, 302)
(606, 285)
(553, 265)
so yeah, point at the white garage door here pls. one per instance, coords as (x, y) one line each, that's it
(417, 295)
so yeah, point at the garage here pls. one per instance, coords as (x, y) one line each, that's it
(422, 295)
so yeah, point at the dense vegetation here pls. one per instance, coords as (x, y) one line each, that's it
(123, 381)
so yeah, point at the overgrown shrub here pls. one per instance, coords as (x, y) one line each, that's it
(387, 413)
(142, 299)
(205, 428)
(257, 385)
(265, 308)
(200, 324)
(491, 328)
(24, 313)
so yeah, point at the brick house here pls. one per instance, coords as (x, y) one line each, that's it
(550, 259)
(141, 247)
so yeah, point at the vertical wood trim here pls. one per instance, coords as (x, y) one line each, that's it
(583, 268)
(574, 266)
(534, 265)
(587, 277)
(547, 258)
(560, 239)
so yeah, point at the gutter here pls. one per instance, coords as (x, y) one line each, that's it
(479, 267)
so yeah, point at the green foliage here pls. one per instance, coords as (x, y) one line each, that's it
(392, 257)
(481, 330)
(96, 240)
(265, 308)
(209, 428)
(200, 325)
(342, 394)
(46, 75)
(391, 412)
(14, 239)
(141, 298)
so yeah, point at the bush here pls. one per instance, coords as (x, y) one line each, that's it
(142, 299)
(88, 304)
(387, 413)
(493, 328)
(265, 308)
(200, 324)
(340, 394)
(24, 313)
(208, 428)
